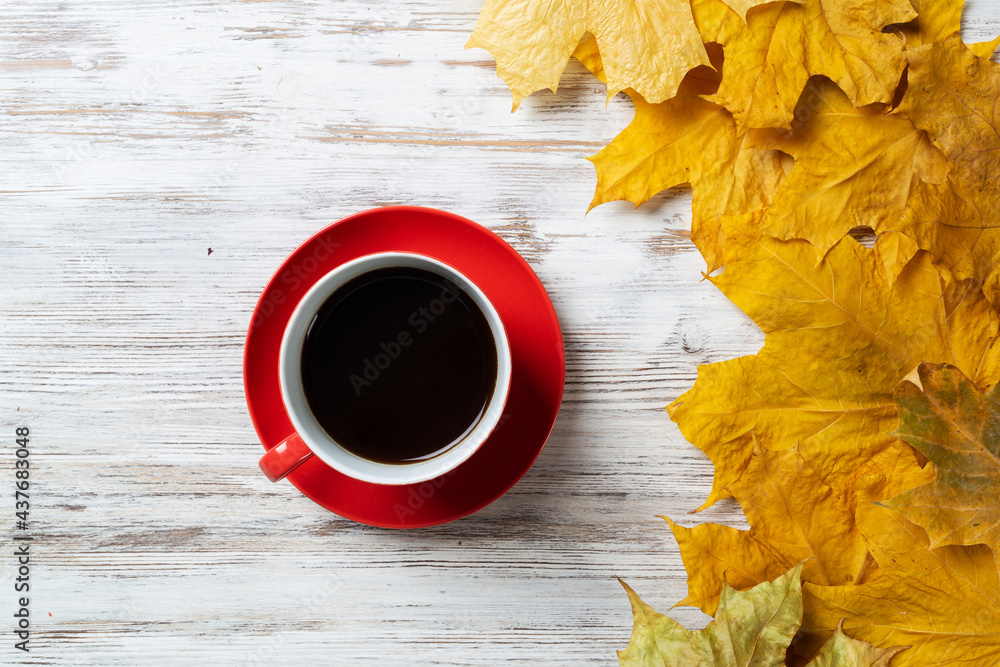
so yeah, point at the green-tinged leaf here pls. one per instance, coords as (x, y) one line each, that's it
(957, 427)
(842, 651)
(751, 629)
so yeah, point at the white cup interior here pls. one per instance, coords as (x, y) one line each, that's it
(312, 433)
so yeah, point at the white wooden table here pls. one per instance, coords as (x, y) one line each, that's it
(136, 137)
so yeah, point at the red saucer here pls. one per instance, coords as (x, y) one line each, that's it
(535, 344)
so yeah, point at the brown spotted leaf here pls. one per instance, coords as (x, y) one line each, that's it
(944, 603)
(957, 427)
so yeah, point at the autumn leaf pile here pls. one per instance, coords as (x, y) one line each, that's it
(862, 441)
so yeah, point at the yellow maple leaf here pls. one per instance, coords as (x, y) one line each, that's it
(752, 627)
(769, 62)
(685, 140)
(647, 46)
(794, 517)
(688, 140)
(783, 163)
(842, 330)
(957, 427)
(955, 96)
(855, 168)
(944, 602)
(665, 146)
(852, 169)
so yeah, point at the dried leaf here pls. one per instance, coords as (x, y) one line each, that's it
(794, 517)
(842, 651)
(852, 169)
(943, 602)
(664, 146)
(647, 46)
(936, 21)
(769, 62)
(957, 427)
(823, 117)
(955, 96)
(842, 331)
(667, 144)
(792, 514)
(751, 629)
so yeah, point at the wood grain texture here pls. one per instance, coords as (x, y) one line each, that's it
(136, 136)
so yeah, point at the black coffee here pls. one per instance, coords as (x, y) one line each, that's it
(398, 364)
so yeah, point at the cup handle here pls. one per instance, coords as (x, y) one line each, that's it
(284, 457)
